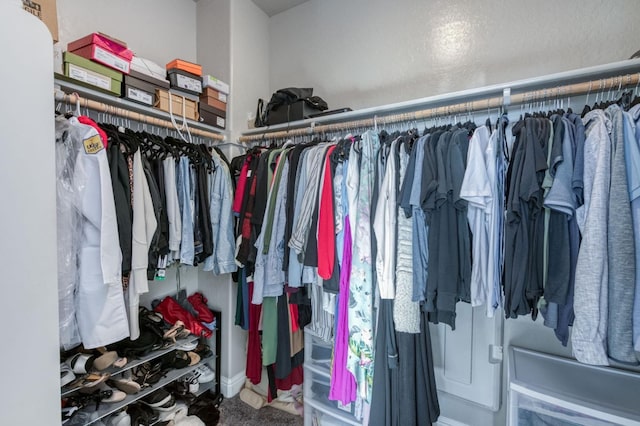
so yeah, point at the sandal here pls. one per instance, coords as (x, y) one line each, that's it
(150, 316)
(89, 380)
(148, 373)
(176, 360)
(126, 383)
(81, 363)
(105, 360)
(172, 333)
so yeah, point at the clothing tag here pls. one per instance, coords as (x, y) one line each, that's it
(93, 145)
(249, 173)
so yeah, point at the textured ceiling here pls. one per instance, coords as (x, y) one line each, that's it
(273, 7)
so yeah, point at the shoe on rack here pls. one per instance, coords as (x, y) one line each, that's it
(90, 380)
(81, 363)
(204, 374)
(168, 407)
(187, 346)
(203, 349)
(142, 415)
(190, 383)
(157, 398)
(125, 383)
(66, 374)
(105, 360)
(120, 419)
(105, 393)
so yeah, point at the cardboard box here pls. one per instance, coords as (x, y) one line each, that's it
(185, 81)
(187, 66)
(213, 102)
(148, 67)
(213, 117)
(214, 83)
(72, 58)
(213, 93)
(138, 77)
(103, 49)
(177, 102)
(219, 112)
(92, 78)
(46, 11)
(139, 87)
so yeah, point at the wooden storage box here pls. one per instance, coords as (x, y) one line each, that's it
(177, 101)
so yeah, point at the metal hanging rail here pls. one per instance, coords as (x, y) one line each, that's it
(611, 77)
(129, 111)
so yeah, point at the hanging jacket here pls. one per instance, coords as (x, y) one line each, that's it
(100, 308)
(221, 198)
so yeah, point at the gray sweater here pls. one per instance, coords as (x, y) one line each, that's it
(592, 269)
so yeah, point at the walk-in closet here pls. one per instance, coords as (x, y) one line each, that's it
(320, 212)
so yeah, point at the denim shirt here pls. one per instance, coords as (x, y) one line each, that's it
(269, 278)
(222, 261)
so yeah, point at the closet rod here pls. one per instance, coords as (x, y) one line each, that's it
(540, 95)
(129, 115)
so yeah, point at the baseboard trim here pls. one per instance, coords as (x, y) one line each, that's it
(445, 421)
(232, 386)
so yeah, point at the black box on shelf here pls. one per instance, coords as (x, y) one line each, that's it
(139, 87)
(298, 110)
(213, 116)
(185, 81)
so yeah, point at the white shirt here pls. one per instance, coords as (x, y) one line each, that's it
(479, 189)
(142, 230)
(385, 228)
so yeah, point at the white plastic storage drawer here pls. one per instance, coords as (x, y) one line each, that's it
(317, 352)
(532, 409)
(317, 415)
(551, 390)
(316, 394)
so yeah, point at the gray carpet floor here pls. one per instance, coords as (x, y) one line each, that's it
(234, 412)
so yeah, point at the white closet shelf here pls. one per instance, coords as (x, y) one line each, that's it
(85, 92)
(204, 387)
(173, 375)
(134, 363)
(462, 96)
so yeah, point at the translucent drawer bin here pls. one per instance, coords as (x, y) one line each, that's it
(551, 390)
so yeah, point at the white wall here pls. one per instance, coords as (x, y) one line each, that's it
(214, 37)
(362, 53)
(160, 30)
(249, 61)
(233, 44)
